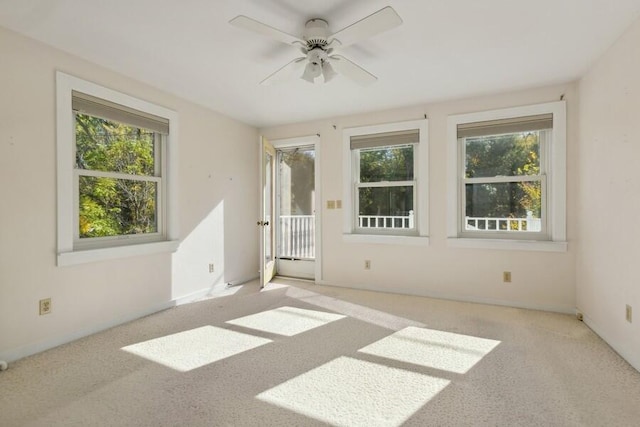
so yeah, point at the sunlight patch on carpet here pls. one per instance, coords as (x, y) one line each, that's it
(287, 321)
(349, 392)
(195, 348)
(446, 351)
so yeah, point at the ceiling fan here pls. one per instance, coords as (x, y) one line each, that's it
(317, 45)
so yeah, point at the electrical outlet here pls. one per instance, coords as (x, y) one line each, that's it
(331, 204)
(506, 276)
(629, 314)
(211, 268)
(367, 264)
(338, 204)
(45, 306)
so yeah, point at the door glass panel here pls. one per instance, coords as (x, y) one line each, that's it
(296, 169)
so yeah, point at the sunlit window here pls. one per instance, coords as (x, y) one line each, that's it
(505, 168)
(119, 171)
(387, 188)
(116, 183)
(507, 178)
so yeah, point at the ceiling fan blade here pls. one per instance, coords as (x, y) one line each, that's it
(376, 23)
(288, 72)
(247, 23)
(352, 70)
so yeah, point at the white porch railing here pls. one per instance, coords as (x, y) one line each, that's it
(297, 236)
(529, 224)
(297, 232)
(381, 221)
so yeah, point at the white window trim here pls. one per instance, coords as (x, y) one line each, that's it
(66, 253)
(421, 176)
(556, 180)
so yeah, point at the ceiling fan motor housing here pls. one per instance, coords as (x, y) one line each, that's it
(316, 33)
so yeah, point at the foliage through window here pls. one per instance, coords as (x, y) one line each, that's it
(118, 167)
(503, 187)
(385, 181)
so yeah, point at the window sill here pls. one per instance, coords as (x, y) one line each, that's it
(510, 245)
(104, 254)
(386, 240)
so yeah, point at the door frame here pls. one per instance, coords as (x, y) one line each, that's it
(313, 140)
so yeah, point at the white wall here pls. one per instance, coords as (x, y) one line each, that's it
(608, 186)
(540, 280)
(218, 203)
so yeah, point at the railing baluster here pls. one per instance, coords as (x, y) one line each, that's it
(528, 224)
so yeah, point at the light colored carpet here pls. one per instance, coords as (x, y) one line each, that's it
(297, 354)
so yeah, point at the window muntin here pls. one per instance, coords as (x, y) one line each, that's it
(118, 173)
(385, 187)
(503, 186)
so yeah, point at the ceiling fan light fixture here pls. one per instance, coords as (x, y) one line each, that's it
(328, 72)
(311, 71)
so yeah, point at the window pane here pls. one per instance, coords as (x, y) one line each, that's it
(296, 171)
(296, 238)
(500, 206)
(386, 164)
(110, 146)
(113, 207)
(503, 155)
(386, 207)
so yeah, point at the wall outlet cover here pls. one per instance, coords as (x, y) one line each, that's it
(45, 306)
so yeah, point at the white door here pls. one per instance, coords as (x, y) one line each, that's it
(267, 208)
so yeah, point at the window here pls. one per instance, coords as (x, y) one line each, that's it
(386, 190)
(114, 180)
(118, 172)
(509, 175)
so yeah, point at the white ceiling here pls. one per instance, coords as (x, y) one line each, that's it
(445, 49)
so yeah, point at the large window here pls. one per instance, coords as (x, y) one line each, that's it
(114, 180)
(509, 174)
(118, 172)
(387, 179)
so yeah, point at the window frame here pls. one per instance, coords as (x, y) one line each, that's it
(351, 176)
(70, 249)
(553, 180)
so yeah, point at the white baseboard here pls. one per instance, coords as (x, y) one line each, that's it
(632, 357)
(40, 346)
(193, 296)
(515, 304)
